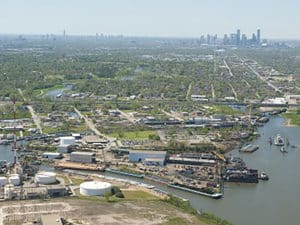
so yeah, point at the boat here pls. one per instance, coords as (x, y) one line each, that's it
(283, 150)
(263, 176)
(278, 140)
(249, 148)
(4, 142)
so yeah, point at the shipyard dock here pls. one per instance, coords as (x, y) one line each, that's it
(79, 166)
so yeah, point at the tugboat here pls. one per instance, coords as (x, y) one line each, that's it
(263, 176)
(278, 140)
(283, 150)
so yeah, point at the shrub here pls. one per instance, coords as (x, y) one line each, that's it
(119, 195)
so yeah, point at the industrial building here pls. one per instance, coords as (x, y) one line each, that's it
(94, 140)
(293, 99)
(201, 98)
(148, 157)
(34, 192)
(83, 157)
(191, 161)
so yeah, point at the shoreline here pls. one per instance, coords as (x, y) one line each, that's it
(288, 123)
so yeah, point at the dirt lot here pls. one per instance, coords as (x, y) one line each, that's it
(91, 212)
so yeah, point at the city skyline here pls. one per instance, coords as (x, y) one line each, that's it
(153, 19)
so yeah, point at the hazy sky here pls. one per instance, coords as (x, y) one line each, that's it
(184, 18)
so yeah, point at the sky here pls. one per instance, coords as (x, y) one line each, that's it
(165, 18)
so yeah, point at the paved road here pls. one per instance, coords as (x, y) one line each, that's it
(92, 126)
(233, 91)
(260, 76)
(228, 68)
(213, 91)
(127, 116)
(35, 117)
(188, 93)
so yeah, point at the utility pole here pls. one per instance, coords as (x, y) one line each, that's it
(15, 133)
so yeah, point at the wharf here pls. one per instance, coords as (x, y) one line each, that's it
(124, 173)
(156, 179)
(214, 195)
(79, 166)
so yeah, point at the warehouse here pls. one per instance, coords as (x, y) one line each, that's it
(145, 156)
(52, 155)
(67, 140)
(83, 157)
(65, 144)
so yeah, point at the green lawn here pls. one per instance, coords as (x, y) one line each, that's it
(293, 117)
(222, 109)
(131, 135)
(76, 180)
(177, 221)
(138, 195)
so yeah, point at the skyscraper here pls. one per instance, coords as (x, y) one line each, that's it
(258, 36)
(254, 39)
(238, 37)
(208, 39)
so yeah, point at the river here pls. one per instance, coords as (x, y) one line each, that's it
(273, 202)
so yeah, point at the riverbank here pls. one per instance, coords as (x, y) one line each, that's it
(292, 118)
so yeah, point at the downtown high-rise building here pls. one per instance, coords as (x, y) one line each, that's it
(238, 37)
(258, 36)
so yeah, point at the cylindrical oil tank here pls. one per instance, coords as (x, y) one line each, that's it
(14, 179)
(45, 178)
(95, 188)
(8, 191)
(3, 181)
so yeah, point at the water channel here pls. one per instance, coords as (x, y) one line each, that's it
(273, 202)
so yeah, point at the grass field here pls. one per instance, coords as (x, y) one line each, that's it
(222, 109)
(132, 135)
(138, 195)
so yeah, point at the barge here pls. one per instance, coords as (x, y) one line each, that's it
(241, 176)
(213, 195)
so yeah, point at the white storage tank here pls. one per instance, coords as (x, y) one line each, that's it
(95, 188)
(14, 179)
(3, 181)
(45, 178)
(8, 191)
